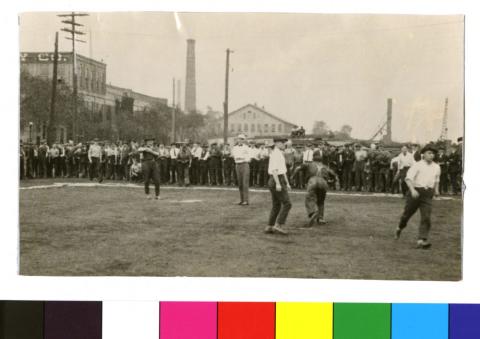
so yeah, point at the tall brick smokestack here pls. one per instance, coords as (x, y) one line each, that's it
(388, 136)
(190, 83)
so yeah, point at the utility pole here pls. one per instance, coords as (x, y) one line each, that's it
(225, 103)
(51, 121)
(173, 111)
(444, 131)
(72, 30)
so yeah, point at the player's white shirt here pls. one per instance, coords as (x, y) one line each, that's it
(276, 163)
(255, 153)
(394, 161)
(174, 152)
(406, 160)
(197, 152)
(423, 174)
(241, 153)
(308, 155)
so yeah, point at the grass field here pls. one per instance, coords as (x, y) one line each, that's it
(192, 232)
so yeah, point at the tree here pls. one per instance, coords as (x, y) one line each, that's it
(320, 128)
(346, 130)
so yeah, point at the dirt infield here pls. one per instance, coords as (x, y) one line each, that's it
(111, 230)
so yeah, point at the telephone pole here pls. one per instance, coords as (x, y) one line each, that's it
(444, 131)
(225, 103)
(51, 121)
(73, 32)
(173, 111)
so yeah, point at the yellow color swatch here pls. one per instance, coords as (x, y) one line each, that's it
(304, 320)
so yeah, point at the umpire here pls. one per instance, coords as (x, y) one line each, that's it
(150, 167)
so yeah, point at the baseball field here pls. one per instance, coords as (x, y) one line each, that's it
(85, 229)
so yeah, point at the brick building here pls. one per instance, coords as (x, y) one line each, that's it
(100, 98)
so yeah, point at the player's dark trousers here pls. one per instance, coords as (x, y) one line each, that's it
(443, 181)
(95, 169)
(194, 171)
(214, 171)
(254, 165)
(281, 204)
(454, 181)
(403, 175)
(163, 163)
(150, 172)
(173, 171)
(316, 192)
(347, 176)
(424, 203)
(203, 179)
(243, 177)
(227, 171)
(360, 179)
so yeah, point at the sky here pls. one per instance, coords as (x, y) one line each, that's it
(338, 68)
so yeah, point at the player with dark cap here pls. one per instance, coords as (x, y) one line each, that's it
(317, 185)
(150, 167)
(423, 180)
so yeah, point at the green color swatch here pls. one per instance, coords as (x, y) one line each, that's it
(361, 321)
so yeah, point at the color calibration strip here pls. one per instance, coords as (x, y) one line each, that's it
(237, 320)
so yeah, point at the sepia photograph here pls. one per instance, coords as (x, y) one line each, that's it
(325, 146)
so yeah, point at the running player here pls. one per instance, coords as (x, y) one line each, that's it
(316, 176)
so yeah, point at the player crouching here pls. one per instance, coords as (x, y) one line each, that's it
(317, 175)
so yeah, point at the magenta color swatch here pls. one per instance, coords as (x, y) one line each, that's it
(188, 320)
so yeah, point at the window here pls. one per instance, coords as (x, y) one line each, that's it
(239, 127)
(273, 128)
(109, 113)
(232, 128)
(265, 128)
(254, 115)
(259, 128)
(253, 128)
(279, 127)
(244, 116)
(245, 127)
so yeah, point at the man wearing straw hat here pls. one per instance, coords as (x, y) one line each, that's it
(241, 154)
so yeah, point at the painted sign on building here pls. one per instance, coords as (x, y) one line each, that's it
(44, 57)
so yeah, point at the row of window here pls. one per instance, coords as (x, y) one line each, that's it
(256, 128)
(97, 109)
(91, 80)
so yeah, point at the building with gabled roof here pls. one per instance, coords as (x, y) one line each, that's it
(254, 121)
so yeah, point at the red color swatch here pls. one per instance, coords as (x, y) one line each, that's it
(240, 320)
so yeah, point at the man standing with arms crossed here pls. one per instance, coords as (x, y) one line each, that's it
(423, 180)
(279, 186)
(241, 153)
(150, 167)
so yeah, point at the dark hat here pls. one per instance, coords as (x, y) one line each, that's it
(95, 139)
(460, 139)
(427, 148)
(213, 144)
(148, 139)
